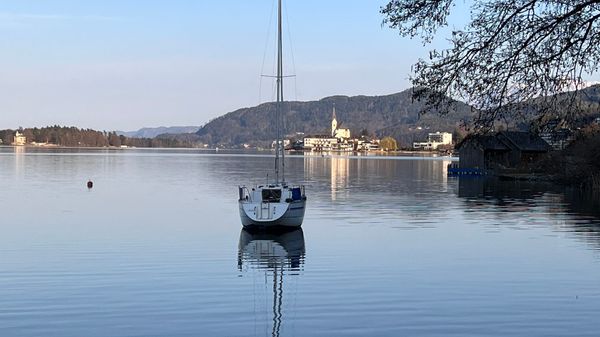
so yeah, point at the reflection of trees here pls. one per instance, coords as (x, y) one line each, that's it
(534, 202)
(280, 256)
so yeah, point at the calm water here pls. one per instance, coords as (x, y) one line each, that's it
(389, 247)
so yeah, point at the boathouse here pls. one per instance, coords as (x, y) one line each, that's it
(507, 149)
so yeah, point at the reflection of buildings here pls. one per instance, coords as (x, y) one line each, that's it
(491, 188)
(439, 170)
(276, 254)
(339, 175)
(19, 158)
(529, 204)
(334, 168)
(570, 208)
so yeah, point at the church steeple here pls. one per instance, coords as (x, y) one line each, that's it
(333, 122)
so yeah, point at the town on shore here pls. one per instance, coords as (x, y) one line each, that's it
(338, 140)
(555, 152)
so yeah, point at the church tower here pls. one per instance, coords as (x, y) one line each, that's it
(333, 122)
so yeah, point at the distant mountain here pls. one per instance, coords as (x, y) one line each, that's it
(394, 115)
(153, 132)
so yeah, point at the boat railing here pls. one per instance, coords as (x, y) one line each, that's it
(244, 193)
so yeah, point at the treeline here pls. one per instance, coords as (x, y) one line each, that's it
(75, 137)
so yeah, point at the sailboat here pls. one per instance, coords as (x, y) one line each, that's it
(275, 204)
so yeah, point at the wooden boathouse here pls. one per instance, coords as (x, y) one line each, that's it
(503, 150)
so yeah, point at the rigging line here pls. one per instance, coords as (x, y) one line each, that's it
(255, 313)
(274, 92)
(291, 46)
(274, 302)
(280, 95)
(266, 320)
(262, 67)
(280, 302)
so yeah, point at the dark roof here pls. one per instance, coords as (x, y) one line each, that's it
(506, 140)
(524, 141)
(487, 142)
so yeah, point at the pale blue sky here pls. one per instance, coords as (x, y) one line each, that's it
(125, 64)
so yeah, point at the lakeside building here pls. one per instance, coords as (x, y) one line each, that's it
(558, 139)
(286, 143)
(19, 139)
(339, 140)
(320, 143)
(434, 140)
(336, 132)
(557, 135)
(506, 149)
(364, 144)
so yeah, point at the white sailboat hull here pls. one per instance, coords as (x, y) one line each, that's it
(265, 214)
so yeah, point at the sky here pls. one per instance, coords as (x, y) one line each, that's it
(127, 64)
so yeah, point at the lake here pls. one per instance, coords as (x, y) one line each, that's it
(390, 246)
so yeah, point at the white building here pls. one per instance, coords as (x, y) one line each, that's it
(434, 140)
(338, 141)
(286, 142)
(335, 131)
(320, 143)
(367, 145)
(19, 139)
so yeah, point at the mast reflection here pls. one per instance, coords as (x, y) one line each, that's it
(279, 255)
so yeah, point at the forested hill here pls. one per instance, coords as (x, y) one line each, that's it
(392, 115)
(76, 137)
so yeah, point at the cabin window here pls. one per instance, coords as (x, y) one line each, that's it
(271, 195)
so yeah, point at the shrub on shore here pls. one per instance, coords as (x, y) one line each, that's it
(581, 160)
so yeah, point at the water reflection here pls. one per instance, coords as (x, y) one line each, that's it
(19, 152)
(530, 203)
(343, 173)
(280, 256)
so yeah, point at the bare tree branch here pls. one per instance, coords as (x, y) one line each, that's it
(512, 51)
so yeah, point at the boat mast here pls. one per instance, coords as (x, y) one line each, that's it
(279, 104)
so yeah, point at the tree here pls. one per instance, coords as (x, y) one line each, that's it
(114, 139)
(512, 51)
(388, 144)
